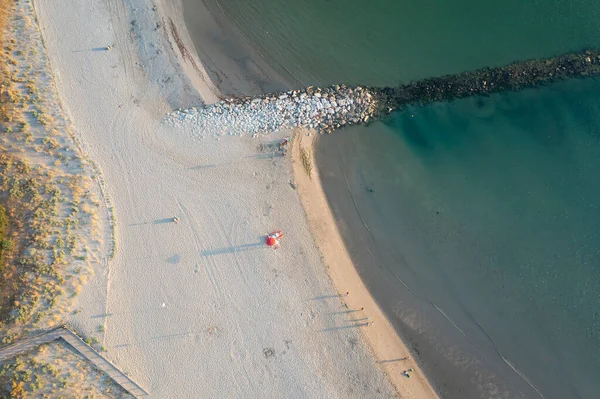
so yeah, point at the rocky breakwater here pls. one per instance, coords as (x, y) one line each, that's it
(513, 77)
(322, 109)
(330, 108)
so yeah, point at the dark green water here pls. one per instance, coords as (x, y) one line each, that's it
(487, 209)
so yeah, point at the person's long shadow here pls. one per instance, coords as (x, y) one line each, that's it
(344, 327)
(200, 167)
(162, 221)
(268, 155)
(236, 248)
(319, 298)
(157, 221)
(393, 360)
(105, 48)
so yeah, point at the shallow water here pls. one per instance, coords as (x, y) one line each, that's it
(488, 211)
(483, 214)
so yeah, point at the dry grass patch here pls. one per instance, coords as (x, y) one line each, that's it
(306, 158)
(53, 370)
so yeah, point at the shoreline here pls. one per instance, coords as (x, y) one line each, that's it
(263, 322)
(382, 338)
(388, 349)
(510, 77)
(229, 60)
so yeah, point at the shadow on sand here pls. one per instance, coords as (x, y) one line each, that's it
(157, 221)
(101, 316)
(237, 248)
(174, 259)
(270, 155)
(393, 360)
(105, 48)
(343, 327)
(344, 312)
(319, 298)
(162, 221)
(200, 167)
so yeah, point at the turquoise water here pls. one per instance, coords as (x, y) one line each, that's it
(487, 209)
(483, 245)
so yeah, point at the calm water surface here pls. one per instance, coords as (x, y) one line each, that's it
(483, 213)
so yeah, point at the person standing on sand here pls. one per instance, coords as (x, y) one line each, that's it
(283, 146)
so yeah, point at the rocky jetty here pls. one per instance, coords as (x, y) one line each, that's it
(513, 77)
(329, 108)
(323, 109)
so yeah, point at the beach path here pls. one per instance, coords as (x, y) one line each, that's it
(28, 344)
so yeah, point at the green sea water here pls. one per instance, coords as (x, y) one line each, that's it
(483, 240)
(483, 215)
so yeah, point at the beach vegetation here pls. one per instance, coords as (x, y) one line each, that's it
(47, 214)
(55, 370)
(306, 159)
(38, 238)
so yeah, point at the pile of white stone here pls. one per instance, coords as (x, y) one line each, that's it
(323, 109)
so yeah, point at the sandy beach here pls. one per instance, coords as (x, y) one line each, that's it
(203, 308)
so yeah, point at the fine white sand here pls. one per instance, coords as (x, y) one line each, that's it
(201, 308)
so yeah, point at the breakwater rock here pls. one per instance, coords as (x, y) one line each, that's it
(329, 108)
(323, 109)
(512, 77)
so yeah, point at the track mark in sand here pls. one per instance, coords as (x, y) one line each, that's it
(214, 269)
(235, 256)
(212, 277)
(190, 224)
(239, 355)
(116, 11)
(211, 264)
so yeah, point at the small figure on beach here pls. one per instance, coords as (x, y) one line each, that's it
(283, 146)
(405, 373)
(273, 239)
(175, 219)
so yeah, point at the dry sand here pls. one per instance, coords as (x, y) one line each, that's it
(201, 308)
